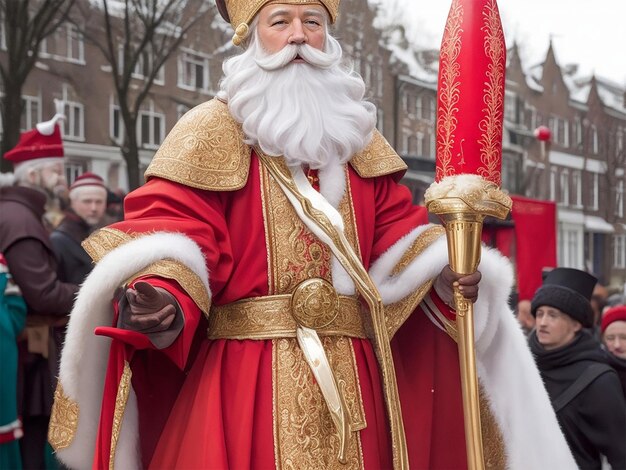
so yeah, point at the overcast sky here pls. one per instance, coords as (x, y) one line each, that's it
(591, 33)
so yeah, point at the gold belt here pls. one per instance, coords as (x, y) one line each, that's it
(313, 304)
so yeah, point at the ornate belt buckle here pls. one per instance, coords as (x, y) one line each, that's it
(314, 303)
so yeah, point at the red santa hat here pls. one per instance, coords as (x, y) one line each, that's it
(44, 141)
(613, 314)
(87, 182)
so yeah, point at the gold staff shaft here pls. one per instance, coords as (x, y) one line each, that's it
(463, 230)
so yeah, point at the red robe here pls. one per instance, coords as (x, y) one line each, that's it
(222, 417)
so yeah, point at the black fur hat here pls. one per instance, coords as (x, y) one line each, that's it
(570, 291)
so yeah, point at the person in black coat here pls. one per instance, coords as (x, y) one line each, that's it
(88, 197)
(584, 390)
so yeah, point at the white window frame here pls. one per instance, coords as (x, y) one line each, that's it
(577, 187)
(380, 121)
(73, 169)
(619, 251)
(619, 198)
(564, 187)
(570, 246)
(72, 35)
(533, 116)
(69, 109)
(3, 33)
(152, 115)
(595, 191)
(433, 145)
(138, 71)
(553, 177)
(405, 143)
(181, 110)
(595, 147)
(198, 59)
(510, 106)
(421, 141)
(30, 120)
(113, 108)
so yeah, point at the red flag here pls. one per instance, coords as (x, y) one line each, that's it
(470, 92)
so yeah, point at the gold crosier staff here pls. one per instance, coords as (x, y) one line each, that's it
(470, 98)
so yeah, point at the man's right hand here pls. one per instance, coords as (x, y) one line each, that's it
(149, 309)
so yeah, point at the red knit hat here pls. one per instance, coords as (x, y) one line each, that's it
(87, 179)
(613, 314)
(33, 144)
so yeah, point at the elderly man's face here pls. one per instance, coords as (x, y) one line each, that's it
(281, 24)
(50, 176)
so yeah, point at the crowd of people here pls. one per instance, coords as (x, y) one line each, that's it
(42, 264)
(238, 318)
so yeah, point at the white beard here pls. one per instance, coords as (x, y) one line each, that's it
(311, 113)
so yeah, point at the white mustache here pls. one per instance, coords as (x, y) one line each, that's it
(287, 54)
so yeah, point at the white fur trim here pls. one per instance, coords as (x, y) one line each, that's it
(7, 179)
(85, 356)
(504, 362)
(333, 188)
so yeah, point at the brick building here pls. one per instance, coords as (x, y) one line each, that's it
(582, 168)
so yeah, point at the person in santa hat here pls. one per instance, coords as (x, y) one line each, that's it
(613, 329)
(38, 172)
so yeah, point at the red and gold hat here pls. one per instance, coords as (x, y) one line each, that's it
(239, 13)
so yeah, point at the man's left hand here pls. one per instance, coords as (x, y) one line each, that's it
(448, 279)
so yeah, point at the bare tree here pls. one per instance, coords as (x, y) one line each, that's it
(26, 24)
(136, 37)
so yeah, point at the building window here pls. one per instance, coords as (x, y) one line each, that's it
(619, 251)
(595, 191)
(31, 113)
(570, 246)
(116, 123)
(193, 71)
(379, 119)
(3, 33)
(181, 109)
(577, 188)
(564, 188)
(578, 132)
(74, 123)
(421, 145)
(144, 66)
(595, 144)
(619, 198)
(553, 176)
(419, 107)
(151, 127)
(66, 44)
(530, 118)
(432, 148)
(510, 107)
(73, 169)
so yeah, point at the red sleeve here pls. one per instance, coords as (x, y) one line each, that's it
(162, 205)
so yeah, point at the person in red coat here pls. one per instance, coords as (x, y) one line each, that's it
(271, 230)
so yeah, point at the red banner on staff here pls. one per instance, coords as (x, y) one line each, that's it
(535, 237)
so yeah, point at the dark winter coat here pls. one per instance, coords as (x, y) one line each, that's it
(594, 422)
(619, 365)
(74, 262)
(32, 263)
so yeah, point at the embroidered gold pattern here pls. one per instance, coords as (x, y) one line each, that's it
(296, 255)
(491, 125)
(242, 11)
(377, 159)
(105, 240)
(449, 93)
(205, 150)
(423, 241)
(63, 420)
(123, 391)
(303, 427)
(270, 317)
(188, 280)
(397, 313)
(493, 442)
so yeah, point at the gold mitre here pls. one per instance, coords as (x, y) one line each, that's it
(239, 13)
